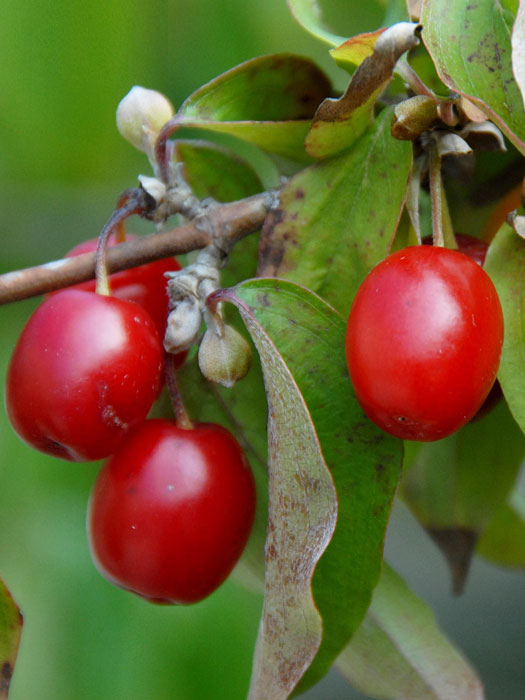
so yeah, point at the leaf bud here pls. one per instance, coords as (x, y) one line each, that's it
(224, 358)
(141, 115)
(183, 325)
(413, 116)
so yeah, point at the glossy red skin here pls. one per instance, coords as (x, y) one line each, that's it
(474, 247)
(423, 342)
(171, 512)
(85, 370)
(145, 285)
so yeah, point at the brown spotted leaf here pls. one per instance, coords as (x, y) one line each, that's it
(315, 423)
(10, 631)
(518, 48)
(470, 44)
(339, 122)
(336, 219)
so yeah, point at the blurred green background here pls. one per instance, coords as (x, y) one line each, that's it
(62, 166)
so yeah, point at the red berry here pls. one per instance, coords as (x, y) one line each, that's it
(475, 248)
(145, 285)
(423, 342)
(85, 370)
(171, 512)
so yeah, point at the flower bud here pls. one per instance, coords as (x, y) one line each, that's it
(141, 115)
(183, 325)
(224, 358)
(413, 116)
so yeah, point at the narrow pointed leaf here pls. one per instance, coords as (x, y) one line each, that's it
(337, 219)
(451, 488)
(505, 264)
(503, 542)
(470, 43)
(10, 631)
(340, 122)
(399, 652)
(308, 337)
(268, 101)
(518, 48)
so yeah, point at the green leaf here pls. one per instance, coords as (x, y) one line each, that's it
(470, 45)
(215, 171)
(399, 652)
(452, 488)
(308, 14)
(329, 229)
(505, 263)
(10, 631)
(503, 542)
(301, 340)
(352, 52)
(340, 122)
(518, 49)
(268, 101)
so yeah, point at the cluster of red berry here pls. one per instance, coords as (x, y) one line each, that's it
(172, 508)
(424, 340)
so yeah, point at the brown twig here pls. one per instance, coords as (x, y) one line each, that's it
(224, 223)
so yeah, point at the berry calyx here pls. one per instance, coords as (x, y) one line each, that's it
(84, 372)
(171, 512)
(423, 342)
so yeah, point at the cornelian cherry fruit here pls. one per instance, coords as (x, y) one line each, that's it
(423, 342)
(171, 511)
(85, 370)
(145, 284)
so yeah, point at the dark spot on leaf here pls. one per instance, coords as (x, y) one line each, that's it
(5, 678)
(299, 193)
(380, 468)
(271, 552)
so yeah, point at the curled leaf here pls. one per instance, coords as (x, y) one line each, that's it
(352, 52)
(339, 122)
(268, 101)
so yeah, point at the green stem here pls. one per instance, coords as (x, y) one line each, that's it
(442, 230)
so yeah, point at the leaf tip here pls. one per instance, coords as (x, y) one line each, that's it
(457, 544)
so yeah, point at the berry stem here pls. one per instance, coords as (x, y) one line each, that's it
(182, 418)
(412, 79)
(130, 207)
(442, 231)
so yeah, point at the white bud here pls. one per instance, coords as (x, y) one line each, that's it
(141, 115)
(183, 325)
(224, 358)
